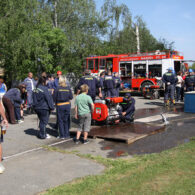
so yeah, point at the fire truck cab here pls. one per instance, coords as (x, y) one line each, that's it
(137, 70)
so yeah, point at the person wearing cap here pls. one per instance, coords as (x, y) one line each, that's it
(109, 85)
(169, 80)
(117, 83)
(43, 105)
(92, 83)
(190, 81)
(30, 85)
(127, 110)
(56, 80)
(62, 97)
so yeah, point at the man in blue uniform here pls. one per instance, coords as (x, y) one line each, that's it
(127, 108)
(92, 83)
(30, 85)
(50, 84)
(169, 80)
(109, 85)
(190, 81)
(117, 84)
(56, 80)
(43, 104)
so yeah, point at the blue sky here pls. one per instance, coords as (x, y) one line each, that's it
(173, 20)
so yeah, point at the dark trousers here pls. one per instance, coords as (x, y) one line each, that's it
(182, 93)
(169, 92)
(9, 107)
(17, 113)
(43, 116)
(117, 92)
(178, 93)
(63, 114)
(110, 92)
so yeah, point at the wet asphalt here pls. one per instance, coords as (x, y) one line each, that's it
(179, 131)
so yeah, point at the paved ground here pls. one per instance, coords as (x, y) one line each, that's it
(31, 169)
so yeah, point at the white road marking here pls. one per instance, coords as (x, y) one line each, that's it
(34, 149)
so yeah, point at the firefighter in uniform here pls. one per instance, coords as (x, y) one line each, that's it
(62, 97)
(127, 110)
(92, 83)
(56, 80)
(43, 104)
(117, 84)
(169, 80)
(190, 81)
(109, 85)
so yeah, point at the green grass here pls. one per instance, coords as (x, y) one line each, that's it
(169, 172)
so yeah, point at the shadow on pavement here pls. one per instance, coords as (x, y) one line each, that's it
(33, 132)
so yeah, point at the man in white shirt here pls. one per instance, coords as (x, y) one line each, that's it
(179, 85)
(30, 85)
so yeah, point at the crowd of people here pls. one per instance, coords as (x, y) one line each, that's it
(176, 85)
(43, 95)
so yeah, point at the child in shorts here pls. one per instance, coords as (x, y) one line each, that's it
(83, 108)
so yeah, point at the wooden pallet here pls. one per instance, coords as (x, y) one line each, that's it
(128, 133)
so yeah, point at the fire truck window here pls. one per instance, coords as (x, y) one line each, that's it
(125, 69)
(140, 70)
(102, 64)
(177, 66)
(96, 64)
(109, 64)
(90, 64)
(154, 70)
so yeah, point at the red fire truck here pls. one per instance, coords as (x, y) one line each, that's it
(137, 70)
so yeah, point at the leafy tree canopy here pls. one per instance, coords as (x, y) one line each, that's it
(48, 35)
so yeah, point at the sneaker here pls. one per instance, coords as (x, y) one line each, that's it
(48, 136)
(60, 137)
(85, 141)
(2, 168)
(20, 121)
(76, 141)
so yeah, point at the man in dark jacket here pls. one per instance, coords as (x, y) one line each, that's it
(169, 80)
(117, 84)
(190, 81)
(92, 83)
(127, 110)
(12, 101)
(43, 104)
(109, 85)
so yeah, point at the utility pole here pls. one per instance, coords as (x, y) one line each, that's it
(136, 32)
(55, 14)
(137, 38)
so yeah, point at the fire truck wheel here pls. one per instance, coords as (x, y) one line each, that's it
(144, 84)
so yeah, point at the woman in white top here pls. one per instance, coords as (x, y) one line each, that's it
(179, 85)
